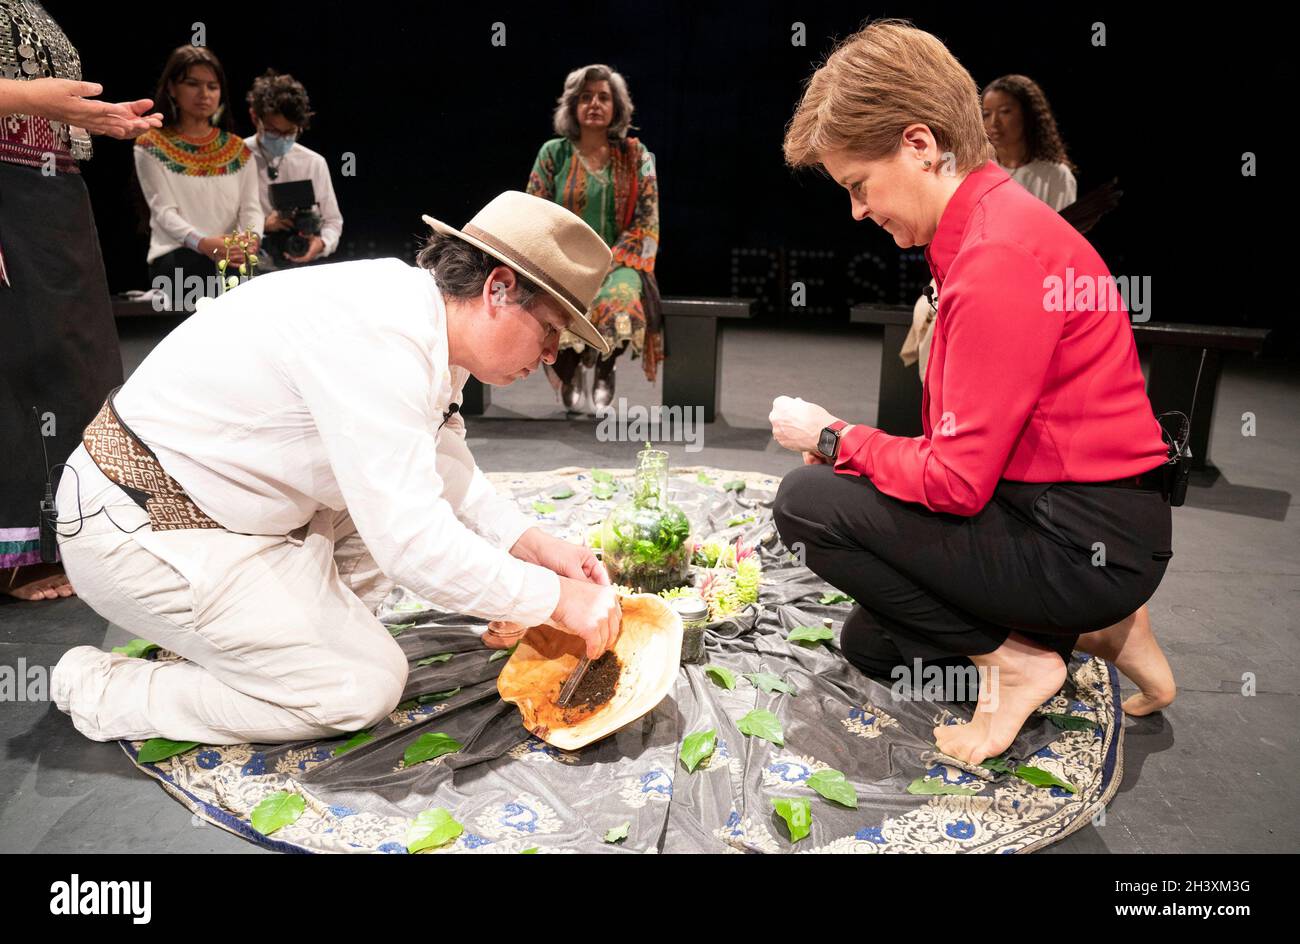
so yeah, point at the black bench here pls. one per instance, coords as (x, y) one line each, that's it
(1179, 353)
(899, 412)
(692, 368)
(692, 364)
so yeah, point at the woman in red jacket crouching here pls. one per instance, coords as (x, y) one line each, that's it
(1030, 516)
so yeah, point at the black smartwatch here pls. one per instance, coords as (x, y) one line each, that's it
(828, 444)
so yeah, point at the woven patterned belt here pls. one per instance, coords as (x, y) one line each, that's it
(132, 466)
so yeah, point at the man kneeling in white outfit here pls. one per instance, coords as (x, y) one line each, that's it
(288, 454)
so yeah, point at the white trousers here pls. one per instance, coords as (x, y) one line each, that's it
(279, 632)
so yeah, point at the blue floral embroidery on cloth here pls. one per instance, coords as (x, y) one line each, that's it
(870, 834)
(960, 829)
(519, 817)
(790, 771)
(863, 717)
(657, 781)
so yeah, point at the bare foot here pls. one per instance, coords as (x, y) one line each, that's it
(1131, 646)
(37, 582)
(1015, 679)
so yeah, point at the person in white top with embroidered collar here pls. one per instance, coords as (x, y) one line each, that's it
(289, 454)
(281, 111)
(197, 178)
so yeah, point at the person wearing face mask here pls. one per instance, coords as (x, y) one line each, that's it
(197, 178)
(289, 454)
(281, 112)
(1032, 515)
(598, 171)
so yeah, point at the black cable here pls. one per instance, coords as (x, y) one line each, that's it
(81, 518)
(447, 414)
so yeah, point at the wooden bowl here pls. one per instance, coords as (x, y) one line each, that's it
(649, 647)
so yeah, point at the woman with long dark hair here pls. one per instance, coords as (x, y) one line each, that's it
(1022, 128)
(197, 177)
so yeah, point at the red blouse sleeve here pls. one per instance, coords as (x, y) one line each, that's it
(999, 343)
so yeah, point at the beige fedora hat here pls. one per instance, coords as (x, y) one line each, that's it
(548, 244)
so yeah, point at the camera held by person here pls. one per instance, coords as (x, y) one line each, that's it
(293, 241)
(300, 229)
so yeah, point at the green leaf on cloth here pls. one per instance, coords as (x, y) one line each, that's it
(543, 508)
(761, 723)
(156, 749)
(428, 746)
(770, 683)
(361, 737)
(810, 635)
(602, 491)
(277, 810)
(562, 493)
(503, 653)
(997, 764)
(531, 850)
(936, 787)
(410, 606)
(1069, 722)
(618, 833)
(797, 813)
(703, 479)
(430, 829)
(396, 629)
(696, 747)
(437, 696)
(441, 657)
(1042, 778)
(833, 785)
(136, 648)
(724, 677)
(835, 596)
(741, 519)
(735, 485)
(600, 475)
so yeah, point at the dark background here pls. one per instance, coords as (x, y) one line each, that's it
(440, 121)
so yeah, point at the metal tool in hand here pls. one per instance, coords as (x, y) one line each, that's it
(575, 677)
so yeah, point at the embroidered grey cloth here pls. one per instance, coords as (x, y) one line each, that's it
(512, 793)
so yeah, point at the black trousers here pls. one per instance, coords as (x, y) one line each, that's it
(189, 276)
(1047, 560)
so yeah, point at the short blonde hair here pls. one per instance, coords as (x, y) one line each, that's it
(566, 107)
(877, 82)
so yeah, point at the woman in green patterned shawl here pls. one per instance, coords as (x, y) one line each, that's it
(606, 177)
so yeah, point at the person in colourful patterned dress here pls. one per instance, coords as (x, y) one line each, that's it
(597, 171)
(58, 344)
(197, 177)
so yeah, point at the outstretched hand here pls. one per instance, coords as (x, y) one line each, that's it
(71, 102)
